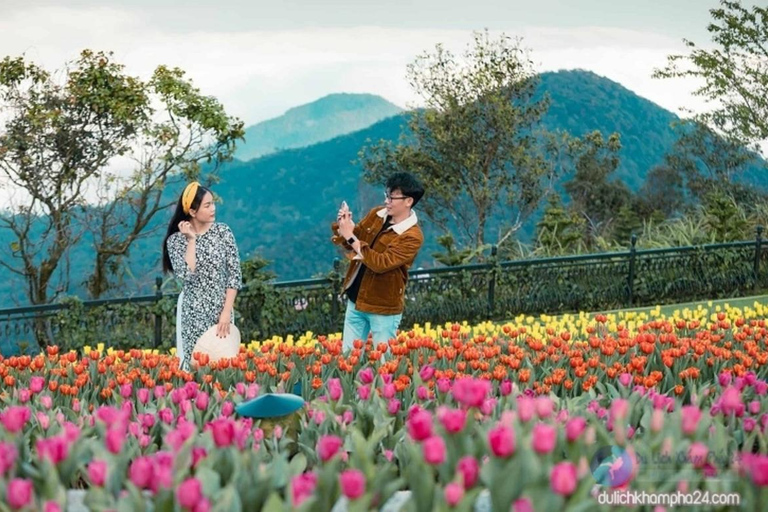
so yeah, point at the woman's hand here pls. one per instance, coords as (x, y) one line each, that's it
(222, 328)
(185, 227)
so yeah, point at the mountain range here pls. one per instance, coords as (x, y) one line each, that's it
(279, 204)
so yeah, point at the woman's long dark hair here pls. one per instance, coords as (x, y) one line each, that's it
(178, 216)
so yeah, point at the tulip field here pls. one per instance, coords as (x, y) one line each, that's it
(545, 414)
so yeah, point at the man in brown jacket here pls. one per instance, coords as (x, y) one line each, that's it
(382, 247)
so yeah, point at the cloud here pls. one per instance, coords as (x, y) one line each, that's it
(261, 73)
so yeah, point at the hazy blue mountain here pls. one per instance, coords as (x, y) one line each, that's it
(321, 120)
(280, 205)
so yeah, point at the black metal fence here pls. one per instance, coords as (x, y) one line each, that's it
(493, 290)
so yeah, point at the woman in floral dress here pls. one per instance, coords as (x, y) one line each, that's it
(203, 254)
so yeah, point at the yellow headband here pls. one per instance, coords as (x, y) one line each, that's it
(189, 195)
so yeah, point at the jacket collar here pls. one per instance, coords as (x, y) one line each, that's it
(402, 226)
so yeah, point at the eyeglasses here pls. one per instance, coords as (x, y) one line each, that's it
(388, 197)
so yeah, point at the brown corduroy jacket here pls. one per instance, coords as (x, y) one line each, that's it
(382, 290)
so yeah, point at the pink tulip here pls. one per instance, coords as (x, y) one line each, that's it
(76, 405)
(469, 469)
(328, 446)
(754, 407)
(690, 416)
(43, 420)
(749, 424)
(166, 415)
(227, 409)
(502, 441)
(55, 449)
(240, 388)
(544, 407)
(505, 388)
(619, 409)
(302, 487)
(657, 420)
(526, 408)
(434, 450)
(189, 493)
(761, 387)
(352, 482)
(36, 384)
(141, 472)
(625, 379)
(51, 506)
(97, 472)
(364, 392)
(426, 373)
(126, 390)
(8, 454)
(470, 392)
(488, 406)
(574, 427)
(223, 431)
(143, 395)
(204, 505)
(420, 425)
(389, 455)
(522, 505)
(201, 401)
(159, 392)
(563, 479)
(422, 393)
(347, 417)
(724, 379)
(388, 391)
(393, 406)
(46, 401)
(366, 375)
(730, 401)
(15, 417)
(24, 396)
(697, 454)
(544, 438)
(453, 494)
(453, 420)
(114, 440)
(335, 389)
(19, 493)
(757, 467)
(443, 385)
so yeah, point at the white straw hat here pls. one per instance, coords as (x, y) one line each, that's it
(218, 348)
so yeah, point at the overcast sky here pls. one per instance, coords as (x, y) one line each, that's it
(263, 57)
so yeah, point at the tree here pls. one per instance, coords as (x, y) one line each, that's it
(559, 231)
(708, 163)
(662, 193)
(733, 72)
(65, 143)
(593, 195)
(474, 145)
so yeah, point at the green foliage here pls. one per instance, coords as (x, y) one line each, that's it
(59, 138)
(452, 256)
(559, 231)
(473, 145)
(594, 196)
(732, 70)
(724, 219)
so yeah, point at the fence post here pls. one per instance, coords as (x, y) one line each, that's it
(758, 250)
(336, 284)
(492, 283)
(158, 315)
(631, 277)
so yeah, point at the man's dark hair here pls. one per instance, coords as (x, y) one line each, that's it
(407, 184)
